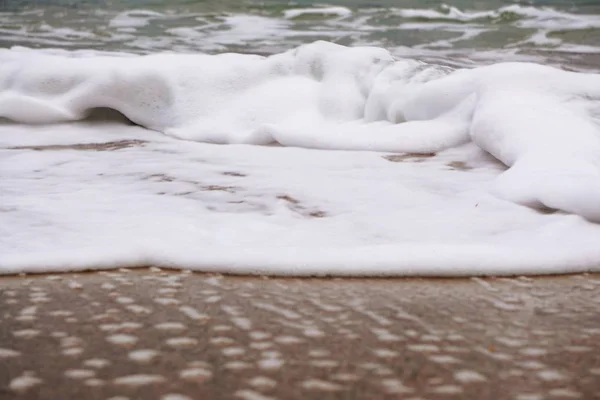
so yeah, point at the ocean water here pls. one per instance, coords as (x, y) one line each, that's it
(348, 138)
(457, 33)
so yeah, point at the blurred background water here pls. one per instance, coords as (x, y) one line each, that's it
(455, 32)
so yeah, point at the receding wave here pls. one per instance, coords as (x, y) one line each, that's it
(444, 202)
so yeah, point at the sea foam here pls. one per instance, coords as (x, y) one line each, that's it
(539, 120)
(542, 123)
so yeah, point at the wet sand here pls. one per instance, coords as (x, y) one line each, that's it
(152, 334)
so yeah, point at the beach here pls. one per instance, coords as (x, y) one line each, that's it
(159, 334)
(263, 200)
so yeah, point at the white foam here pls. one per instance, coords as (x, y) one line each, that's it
(447, 13)
(153, 199)
(531, 17)
(133, 18)
(324, 11)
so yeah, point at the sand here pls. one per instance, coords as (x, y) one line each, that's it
(152, 334)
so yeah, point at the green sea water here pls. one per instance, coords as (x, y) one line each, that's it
(456, 32)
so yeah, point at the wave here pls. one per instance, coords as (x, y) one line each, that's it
(317, 11)
(83, 188)
(540, 121)
(524, 16)
(271, 28)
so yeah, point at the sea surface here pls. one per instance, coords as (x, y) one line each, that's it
(456, 33)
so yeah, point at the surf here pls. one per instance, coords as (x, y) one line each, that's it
(533, 118)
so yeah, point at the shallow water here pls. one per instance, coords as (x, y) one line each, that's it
(458, 33)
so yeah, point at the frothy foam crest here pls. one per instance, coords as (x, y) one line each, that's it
(325, 11)
(446, 13)
(531, 17)
(333, 97)
(110, 194)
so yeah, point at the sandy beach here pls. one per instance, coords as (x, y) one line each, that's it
(154, 334)
(296, 165)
